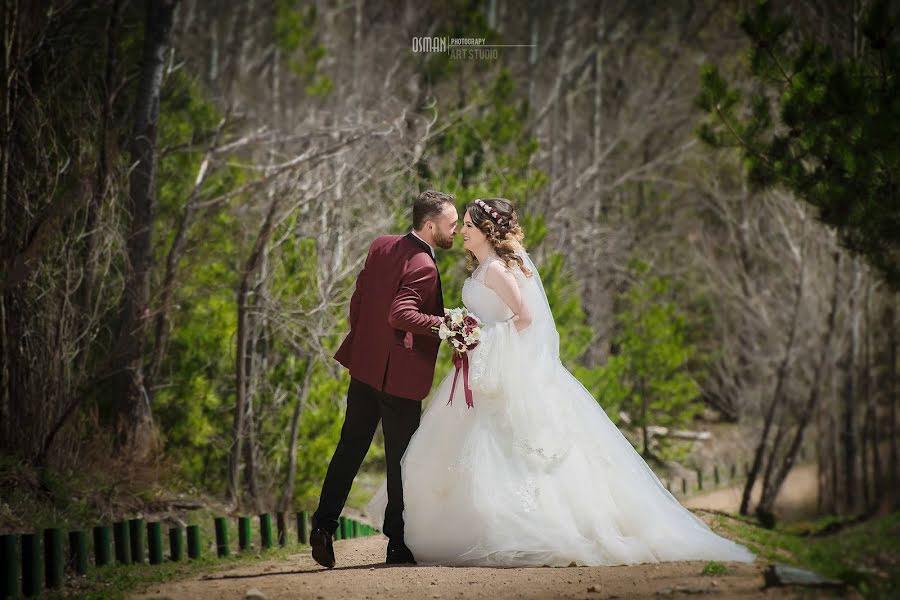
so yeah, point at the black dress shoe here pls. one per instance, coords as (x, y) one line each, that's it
(322, 548)
(399, 555)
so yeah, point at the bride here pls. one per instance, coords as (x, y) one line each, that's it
(535, 473)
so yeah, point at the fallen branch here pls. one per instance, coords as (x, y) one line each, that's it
(680, 434)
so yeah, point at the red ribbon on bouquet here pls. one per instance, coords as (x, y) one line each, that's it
(461, 361)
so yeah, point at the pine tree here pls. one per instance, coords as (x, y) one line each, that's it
(832, 138)
(647, 376)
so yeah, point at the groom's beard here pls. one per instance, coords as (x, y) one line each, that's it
(443, 241)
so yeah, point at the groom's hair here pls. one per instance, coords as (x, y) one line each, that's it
(429, 205)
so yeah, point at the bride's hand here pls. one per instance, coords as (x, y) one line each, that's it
(499, 279)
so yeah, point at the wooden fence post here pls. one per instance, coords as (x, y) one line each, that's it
(222, 549)
(78, 552)
(122, 542)
(176, 543)
(53, 558)
(303, 527)
(102, 540)
(244, 533)
(193, 541)
(138, 543)
(281, 528)
(31, 564)
(9, 566)
(154, 543)
(265, 531)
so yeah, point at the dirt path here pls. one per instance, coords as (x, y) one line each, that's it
(361, 574)
(796, 500)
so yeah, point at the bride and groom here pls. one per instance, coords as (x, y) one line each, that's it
(534, 473)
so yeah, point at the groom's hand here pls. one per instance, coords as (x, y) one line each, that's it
(406, 312)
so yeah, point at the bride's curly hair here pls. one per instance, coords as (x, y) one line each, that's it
(497, 219)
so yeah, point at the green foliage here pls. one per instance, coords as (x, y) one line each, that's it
(714, 568)
(833, 138)
(486, 154)
(320, 429)
(864, 555)
(193, 407)
(453, 18)
(295, 36)
(648, 376)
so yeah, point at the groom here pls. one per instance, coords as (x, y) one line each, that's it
(390, 351)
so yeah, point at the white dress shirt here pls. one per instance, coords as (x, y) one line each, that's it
(426, 243)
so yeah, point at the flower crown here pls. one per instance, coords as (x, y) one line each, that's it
(491, 211)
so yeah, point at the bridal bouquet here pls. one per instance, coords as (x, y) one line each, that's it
(462, 330)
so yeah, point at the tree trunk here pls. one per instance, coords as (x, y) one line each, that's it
(848, 417)
(868, 400)
(534, 23)
(241, 374)
(890, 319)
(176, 250)
(288, 492)
(834, 462)
(8, 55)
(645, 402)
(134, 421)
(777, 394)
(770, 491)
(251, 470)
(492, 14)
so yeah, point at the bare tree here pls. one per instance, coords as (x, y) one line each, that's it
(134, 428)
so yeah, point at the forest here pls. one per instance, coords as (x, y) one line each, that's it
(188, 189)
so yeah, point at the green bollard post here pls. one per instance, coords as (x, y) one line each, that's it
(355, 528)
(337, 532)
(9, 566)
(53, 558)
(699, 479)
(176, 543)
(154, 543)
(342, 525)
(244, 533)
(193, 541)
(122, 542)
(303, 527)
(280, 527)
(683, 486)
(138, 543)
(265, 530)
(222, 549)
(78, 552)
(716, 478)
(102, 552)
(31, 565)
(733, 474)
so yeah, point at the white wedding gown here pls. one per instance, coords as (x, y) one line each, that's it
(536, 473)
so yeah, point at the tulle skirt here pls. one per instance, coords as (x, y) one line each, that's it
(536, 474)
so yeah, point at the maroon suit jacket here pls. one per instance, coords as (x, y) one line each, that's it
(398, 291)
